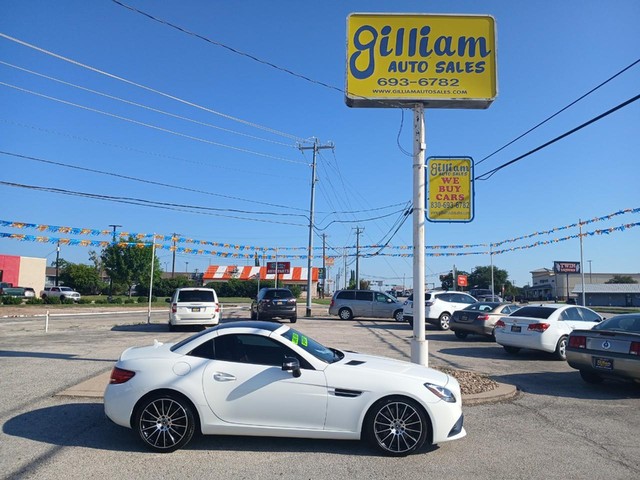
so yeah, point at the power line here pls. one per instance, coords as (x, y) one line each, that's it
(151, 126)
(152, 90)
(231, 49)
(490, 173)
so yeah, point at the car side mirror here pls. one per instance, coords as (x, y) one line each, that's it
(292, 365)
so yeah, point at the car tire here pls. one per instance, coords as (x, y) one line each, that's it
(561, 348)
(345, 314)
(590, 377)
(164, 422)
(172, 327)
(443, 321)
(62, 298)
(397, 426)
(294, 319)
(398, 316)
(511, 350)
(410, 322)
(460, 335)
(254, 315)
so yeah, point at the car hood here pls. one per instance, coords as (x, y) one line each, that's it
(388, 366)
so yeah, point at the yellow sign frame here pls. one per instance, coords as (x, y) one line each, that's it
(450, 195)
(439, 61)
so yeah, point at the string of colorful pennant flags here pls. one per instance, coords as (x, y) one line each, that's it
(252, 251)
(178, 239)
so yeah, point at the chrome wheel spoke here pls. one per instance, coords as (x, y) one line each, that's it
(163, 423)
(398, 427)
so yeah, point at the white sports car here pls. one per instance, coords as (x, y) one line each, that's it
(266, 379)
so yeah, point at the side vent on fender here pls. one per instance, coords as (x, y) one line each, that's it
(353, 363)
(342, 392)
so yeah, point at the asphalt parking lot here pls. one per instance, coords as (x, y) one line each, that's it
(557, 427)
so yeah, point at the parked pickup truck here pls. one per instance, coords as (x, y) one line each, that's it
(60, 292)
(11, 291)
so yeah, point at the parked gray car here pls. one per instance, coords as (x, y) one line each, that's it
(348, 304)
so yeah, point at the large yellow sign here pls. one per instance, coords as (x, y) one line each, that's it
(450, 189)
(440, 61)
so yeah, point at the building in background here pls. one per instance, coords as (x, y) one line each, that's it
(23, 271)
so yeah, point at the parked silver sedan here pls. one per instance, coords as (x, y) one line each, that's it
(479, 318)
(610, 349)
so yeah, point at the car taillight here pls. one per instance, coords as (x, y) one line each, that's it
(217, 310)
(174, 307)
(538, 327)
(500, 324)
(634, 349)
(483, 318)
(120, 375)
(332, 302)
(428, 304)
(577, 341)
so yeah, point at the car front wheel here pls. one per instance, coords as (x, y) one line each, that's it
(397, 426)
(294, 319)
(398, 316)
(345, 314)
(165, 422)
(443, 321)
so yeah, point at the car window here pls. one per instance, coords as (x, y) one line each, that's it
(462, 298)
(195, 296)
(325, 354)
(256, 349)
(572, 314)
(381, 297)
(534, 312)
(366, 296)
(623, 323)
(510, 309)
(589, 315)
(346, 295)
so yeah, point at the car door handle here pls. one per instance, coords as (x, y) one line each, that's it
(223, 377)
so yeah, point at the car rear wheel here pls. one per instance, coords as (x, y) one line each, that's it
(345, 314)
(165, 422)
(253, 315)
(511, 350)
(398, 316)
(396, 425)
(294, 319)
(590, 377)
(460, 334)
(443, 321)
(561, 348)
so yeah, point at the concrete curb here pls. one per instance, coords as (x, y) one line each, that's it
(500, 394)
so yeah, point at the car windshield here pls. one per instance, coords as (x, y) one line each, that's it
(325, 354)
(620, 323)
(534, 312)
(66, 289)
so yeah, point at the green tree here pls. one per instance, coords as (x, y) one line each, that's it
(84, 278)
(621, 279)
(481, 278)
(447, 280)
(129, 265)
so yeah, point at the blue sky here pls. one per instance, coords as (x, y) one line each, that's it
(233, 148)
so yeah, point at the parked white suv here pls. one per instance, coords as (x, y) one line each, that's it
(438, 307)
(194, 306)
(61, 292)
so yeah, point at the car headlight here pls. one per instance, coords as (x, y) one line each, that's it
(441, 392)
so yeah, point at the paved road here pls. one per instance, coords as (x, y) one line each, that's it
(558, 427)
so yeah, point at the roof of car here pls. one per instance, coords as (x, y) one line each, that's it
(254, 324)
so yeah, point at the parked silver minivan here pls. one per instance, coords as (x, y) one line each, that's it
(348, 304)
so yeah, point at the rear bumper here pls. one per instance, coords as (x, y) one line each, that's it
(622, 365)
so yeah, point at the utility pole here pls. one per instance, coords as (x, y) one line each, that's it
(358, 232)
(113, 242)
(57, 262)
(324, 264)
(316, 147)
(173, 263)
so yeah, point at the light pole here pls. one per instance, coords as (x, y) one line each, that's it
(113, 242)
(590, 280)
(187, 267)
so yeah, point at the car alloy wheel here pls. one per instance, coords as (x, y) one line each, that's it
(165, 422)
(345, 314)
(398, 316)
(397, 426)
(561, 348)
(444, 321)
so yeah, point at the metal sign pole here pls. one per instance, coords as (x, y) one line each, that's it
(419, 344)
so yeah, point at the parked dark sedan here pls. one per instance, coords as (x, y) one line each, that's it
(610, 349)
(274, 302)
(479, 318)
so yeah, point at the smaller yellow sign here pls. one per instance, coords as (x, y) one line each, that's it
(449, 189)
